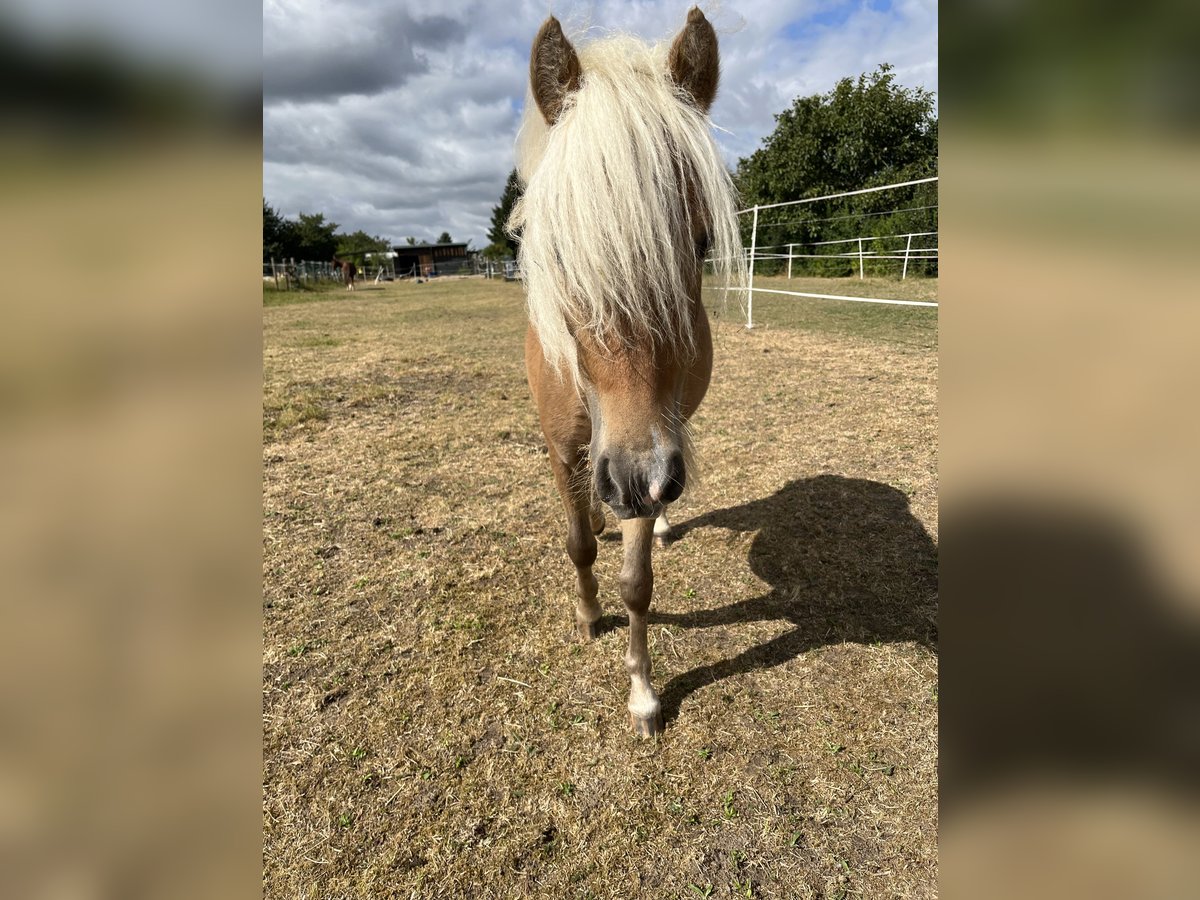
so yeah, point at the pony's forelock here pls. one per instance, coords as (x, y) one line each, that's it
(604, 221)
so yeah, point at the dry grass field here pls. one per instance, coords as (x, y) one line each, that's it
(432, 728)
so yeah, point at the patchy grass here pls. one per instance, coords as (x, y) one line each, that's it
(915, 326)
(308, 292)
(432, 728)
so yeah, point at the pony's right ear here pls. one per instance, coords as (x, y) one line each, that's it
(553, 70)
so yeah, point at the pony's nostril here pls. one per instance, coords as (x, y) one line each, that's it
(638, 484)
(668, 487)
(605, 488)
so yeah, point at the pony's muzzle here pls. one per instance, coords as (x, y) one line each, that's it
(639, 485)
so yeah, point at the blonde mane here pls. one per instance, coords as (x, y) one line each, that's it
(611, 190)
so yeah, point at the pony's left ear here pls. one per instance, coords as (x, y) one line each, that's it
(694, 62)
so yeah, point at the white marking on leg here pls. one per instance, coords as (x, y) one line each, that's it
(637, 586)
(643, 702)
(661, 526)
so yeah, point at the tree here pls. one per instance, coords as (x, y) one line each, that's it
(357, 245)
(500, 213)
(272, 223)
(866, 132)
(279, 234)
(316, 239)
(445, 238)
(411, 241)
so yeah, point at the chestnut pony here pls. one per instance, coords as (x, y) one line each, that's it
(625, 192)
(349, 270)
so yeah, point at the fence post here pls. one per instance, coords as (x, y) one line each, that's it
(274, 273)
(750, 286)
(860, 264)
(790, 246)
(907, 247)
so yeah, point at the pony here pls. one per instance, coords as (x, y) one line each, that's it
(348, 269)
(625, 192)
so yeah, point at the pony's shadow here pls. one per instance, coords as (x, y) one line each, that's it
(845, 559)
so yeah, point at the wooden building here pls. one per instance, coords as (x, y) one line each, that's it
(430, 259)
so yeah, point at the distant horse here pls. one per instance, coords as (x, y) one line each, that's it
(625, 191)
(348, 269)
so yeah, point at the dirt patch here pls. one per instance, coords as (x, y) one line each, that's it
(430, 726)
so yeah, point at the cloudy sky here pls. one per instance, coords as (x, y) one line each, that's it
(399, 118)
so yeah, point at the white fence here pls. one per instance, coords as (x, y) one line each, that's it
(291, 273)
(863, 248)
(909, 252)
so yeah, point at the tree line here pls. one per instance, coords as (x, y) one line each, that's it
(865, 132)
(310, 237)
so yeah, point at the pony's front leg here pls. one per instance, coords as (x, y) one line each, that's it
(662, 530)
(637, 587)
(571, 479)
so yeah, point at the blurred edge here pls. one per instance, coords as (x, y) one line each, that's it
(130, 529)
(1070, 727)
(129, 396)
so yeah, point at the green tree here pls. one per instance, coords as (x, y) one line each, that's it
(279, 234)
(865, 132)
(358, 244)
(445, 238)
(500, 213)
(272, 222)
(316, 239)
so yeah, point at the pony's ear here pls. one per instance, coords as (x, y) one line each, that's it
(694, 61)
(553, 69)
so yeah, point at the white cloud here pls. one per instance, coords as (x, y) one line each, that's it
(401, 122)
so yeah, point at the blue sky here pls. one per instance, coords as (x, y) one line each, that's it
(830, 16)
(399, 119)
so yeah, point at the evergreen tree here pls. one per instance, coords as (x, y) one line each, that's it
(500, 213)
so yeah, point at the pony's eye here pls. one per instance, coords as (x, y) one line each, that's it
(702, 246)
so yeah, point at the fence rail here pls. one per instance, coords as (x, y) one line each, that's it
(865, 248)
(870, 190)
(286, 273)
(291, 272)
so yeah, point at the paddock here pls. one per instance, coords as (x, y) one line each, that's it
(432, 725)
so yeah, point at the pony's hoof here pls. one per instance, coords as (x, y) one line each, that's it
(664, 540)
(588, 631)
(650, 726)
